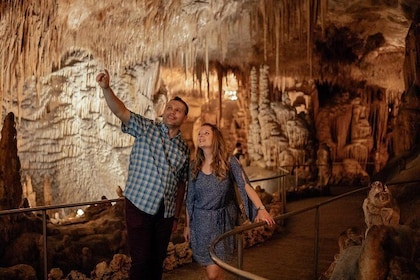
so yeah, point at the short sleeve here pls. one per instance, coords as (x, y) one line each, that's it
(137, 125)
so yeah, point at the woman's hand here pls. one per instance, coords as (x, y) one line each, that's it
(263, 215)
(187, 233)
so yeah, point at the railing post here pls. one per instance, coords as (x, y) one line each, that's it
(316, 242)
(240, 246)
(44, 234)
(238, 231)
(283, 192)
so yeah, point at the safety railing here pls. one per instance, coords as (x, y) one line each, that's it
(239, 231)
(45, 209)
(280, 181)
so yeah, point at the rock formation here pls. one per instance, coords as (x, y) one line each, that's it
(10, 181)
(10, 185)
(386, 249)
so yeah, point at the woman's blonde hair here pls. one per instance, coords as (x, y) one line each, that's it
(221, 156)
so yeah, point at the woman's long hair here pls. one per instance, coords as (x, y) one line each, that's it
(221, 156)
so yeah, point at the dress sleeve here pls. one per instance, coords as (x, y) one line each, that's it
(241, 179)
(238, 172)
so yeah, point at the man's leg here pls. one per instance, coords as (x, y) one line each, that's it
(140, 232)
(163, 230)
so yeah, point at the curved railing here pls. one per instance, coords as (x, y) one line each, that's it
(238, 232)
(44, 209)
(280, 183)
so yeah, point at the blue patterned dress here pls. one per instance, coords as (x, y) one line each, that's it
(212, 211)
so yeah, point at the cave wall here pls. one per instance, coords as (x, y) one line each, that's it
(407, 126)
(68, 139)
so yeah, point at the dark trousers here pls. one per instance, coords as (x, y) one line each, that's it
(148, 238)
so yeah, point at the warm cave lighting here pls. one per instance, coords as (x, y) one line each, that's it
(79, 213)
(230, 87)
(231, 95)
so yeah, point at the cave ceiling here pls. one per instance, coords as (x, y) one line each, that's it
(37, 36)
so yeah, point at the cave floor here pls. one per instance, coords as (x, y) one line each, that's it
(290, 254)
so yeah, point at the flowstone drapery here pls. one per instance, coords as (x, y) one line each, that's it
(278, 136)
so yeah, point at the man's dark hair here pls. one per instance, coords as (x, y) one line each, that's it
(177, 98)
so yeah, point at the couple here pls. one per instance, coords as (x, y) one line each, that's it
(157, 175)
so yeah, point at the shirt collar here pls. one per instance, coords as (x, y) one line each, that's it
(164, 128)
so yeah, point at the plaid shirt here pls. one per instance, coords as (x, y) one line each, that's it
(157, 164)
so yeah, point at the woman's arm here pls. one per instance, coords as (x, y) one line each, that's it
(242, 180)
(262, 214)
(187, 231)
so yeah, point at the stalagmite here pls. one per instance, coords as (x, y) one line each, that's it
(28, 191)
(48, 197)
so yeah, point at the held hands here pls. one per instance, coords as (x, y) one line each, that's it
(263, 215)
(103, 79)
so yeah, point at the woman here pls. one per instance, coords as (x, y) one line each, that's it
(211, 208)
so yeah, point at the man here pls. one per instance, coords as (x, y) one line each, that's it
(155, 186)
(238, 152)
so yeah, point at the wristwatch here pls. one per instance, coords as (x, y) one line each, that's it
(262, 207)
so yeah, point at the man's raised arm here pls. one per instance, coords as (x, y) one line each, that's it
(114, 103)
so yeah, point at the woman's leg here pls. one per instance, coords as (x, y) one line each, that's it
(214, 272)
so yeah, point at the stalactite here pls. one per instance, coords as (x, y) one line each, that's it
(207, 68)
(253, 24)
(220, 74)
(323, 14)
(300, 22)
(277, 50)
(224, 43)
(171, 59)
(27, 31)
(45, 32)
(308, 27)
(287, 18)
(265, 27)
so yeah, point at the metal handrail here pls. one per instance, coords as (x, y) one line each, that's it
(58, 206)
(44, 210)
(281, 189)
(238, 231)
(44, 220)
